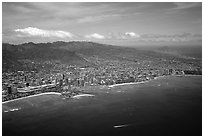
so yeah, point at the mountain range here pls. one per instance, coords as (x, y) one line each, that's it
(75, 53)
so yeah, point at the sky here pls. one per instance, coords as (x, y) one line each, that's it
(117, 23)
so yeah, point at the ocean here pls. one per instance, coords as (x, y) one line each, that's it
(166, 106)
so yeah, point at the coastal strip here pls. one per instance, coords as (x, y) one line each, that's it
(82, 95)
(185, 75)
(121, 84)
(130, 83)
(56, 93)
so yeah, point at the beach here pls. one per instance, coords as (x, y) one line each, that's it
(77, 96)
(131, 83)
(47, 93)
(82, 95)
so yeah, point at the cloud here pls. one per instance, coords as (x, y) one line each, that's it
(132, 34)
(90, 19)
(95, 36)
(173, 37)
(32, 31)
(97, 18)
(129, 36)
(124, 36)
(180, 6)
(186, 5)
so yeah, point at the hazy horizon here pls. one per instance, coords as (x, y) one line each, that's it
(116, 23)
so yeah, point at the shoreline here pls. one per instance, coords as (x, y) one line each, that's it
(55, 93)
(130, 83)
(82, 95)
(185, 75)
(109, 86)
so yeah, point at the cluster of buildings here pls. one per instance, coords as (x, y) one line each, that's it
(73, 79)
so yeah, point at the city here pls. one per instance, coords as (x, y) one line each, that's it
(73, 79)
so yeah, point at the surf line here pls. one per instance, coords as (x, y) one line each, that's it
(11, 110)
(82, 95)
(130, 83)
(119, 126)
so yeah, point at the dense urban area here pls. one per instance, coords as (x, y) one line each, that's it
(73, 79)
(70, 80)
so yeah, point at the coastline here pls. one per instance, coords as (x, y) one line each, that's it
(185, 75)
(121, 84)
(82, 95)
(109, 86)
(56, 93)
(130, 83)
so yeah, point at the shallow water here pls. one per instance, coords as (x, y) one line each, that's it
(166, 106)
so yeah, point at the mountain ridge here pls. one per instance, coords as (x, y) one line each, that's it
(81, 53)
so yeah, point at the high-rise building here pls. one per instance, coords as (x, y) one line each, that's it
(170, 71)
(14, 90)
(86, 84)
(25, 78)
(9, 90)
(66, 81)
(27, 84)
(78, 82)
(69, 84)
(60, 82)
(82, 82)
(95, 81)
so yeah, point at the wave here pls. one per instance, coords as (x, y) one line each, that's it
(82, 95)
(12, 110)
(119, 126)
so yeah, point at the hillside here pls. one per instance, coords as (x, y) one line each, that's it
(13, 55)
(83, 54)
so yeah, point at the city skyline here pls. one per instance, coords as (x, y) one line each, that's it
(121, 23)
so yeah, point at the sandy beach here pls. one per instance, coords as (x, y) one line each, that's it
(82, 95)
(121, 84)
(31, 96)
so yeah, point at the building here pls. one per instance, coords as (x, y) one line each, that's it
(9, 90)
